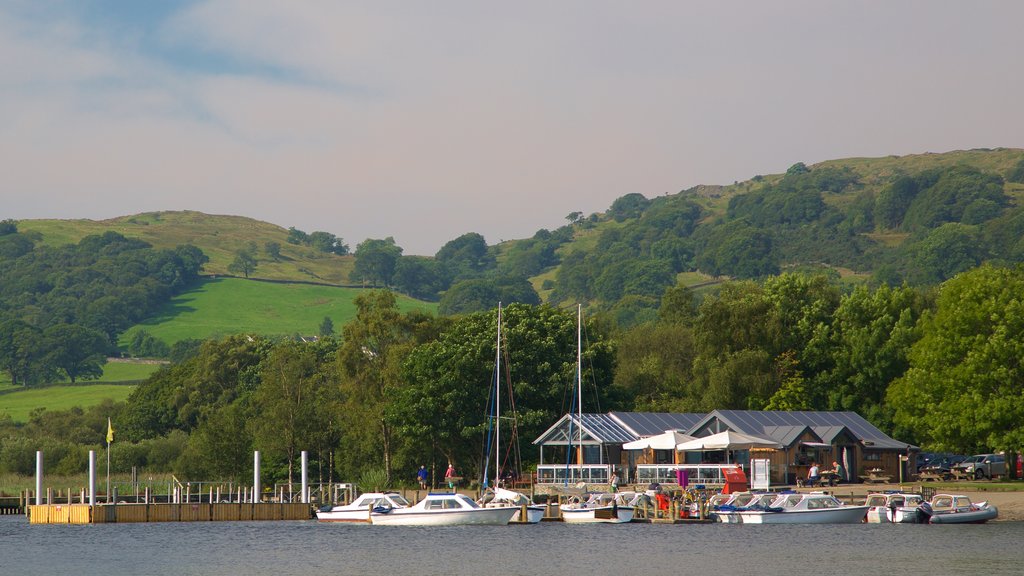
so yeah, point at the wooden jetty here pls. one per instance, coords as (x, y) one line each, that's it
(163, 512)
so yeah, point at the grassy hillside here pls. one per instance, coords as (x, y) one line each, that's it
(18, 403)
(219, 237)
(223, 306)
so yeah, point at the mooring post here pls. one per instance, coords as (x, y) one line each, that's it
(305, 478)
(92, 477)
(39, 477)
(255, 476)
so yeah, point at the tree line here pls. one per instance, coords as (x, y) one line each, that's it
(938, 367)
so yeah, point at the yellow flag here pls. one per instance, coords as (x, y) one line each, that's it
(110, 432)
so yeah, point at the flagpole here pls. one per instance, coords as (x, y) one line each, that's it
(110, 438)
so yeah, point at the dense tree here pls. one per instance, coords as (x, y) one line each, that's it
(295, 400)
(327, 242)
(373, 346)
(963, 388)
(956, 192)
(628, 206)
(443, 401)
(420, 277)
(944, 252)
(485, 293)
(376, 261)
(145, 345)
(466, 256)
(856, 355)
(298, 237)
(654, 364)
(78, 351)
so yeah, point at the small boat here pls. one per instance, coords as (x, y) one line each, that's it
(359, 509)
(809, 508)
(725, 508)
(600, 508)
(895, 507)
(957, 509)
(500, 497)
(444, 510)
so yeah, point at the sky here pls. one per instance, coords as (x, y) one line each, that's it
(423, 121)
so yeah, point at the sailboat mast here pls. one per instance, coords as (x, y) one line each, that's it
(579, 377)
(497, 404)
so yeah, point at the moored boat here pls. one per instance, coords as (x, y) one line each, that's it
(359, 509)
(598, 508)
(958, 509)
(500, 497)
(894, 507)
(809, 508)
(444, 510)
(725, 508)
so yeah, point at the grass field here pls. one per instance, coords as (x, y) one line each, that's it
(18, 403)
(224, 306)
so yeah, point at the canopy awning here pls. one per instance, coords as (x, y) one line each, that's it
(728, 440)
(667, 440)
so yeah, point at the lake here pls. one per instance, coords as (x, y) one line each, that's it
(310, 548)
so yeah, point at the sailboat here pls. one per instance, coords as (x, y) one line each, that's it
(495, 495)
(607, 508)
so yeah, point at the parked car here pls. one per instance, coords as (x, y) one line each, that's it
(942, 464)
(982, 466)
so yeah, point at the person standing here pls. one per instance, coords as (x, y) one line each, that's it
(421, 475)
(449, 476)
(615, 481)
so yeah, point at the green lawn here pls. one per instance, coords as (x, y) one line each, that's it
(222, 306)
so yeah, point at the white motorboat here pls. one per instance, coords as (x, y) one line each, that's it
(359, 509)
(894, 507)
(809, 508)
(444, 510)
(725, 508)
(599, 508)
(958, 509)
(500, 497)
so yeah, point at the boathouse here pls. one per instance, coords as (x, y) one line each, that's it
(589, 447)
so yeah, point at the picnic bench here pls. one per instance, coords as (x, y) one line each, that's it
(876, 477)
(930, 476)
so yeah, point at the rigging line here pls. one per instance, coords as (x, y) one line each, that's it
(592, 378)
(491, 400)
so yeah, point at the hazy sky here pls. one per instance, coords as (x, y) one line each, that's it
(424, 120)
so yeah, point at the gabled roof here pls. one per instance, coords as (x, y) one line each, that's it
(787, 435)
(595, 428)
(643, 424)
(826, 425)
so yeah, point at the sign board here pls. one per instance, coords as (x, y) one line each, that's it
(760, 474)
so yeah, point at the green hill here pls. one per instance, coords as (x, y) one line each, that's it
(219, 237)
(919, 219)
(221, 306)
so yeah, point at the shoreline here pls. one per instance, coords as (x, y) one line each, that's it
(1009, 502)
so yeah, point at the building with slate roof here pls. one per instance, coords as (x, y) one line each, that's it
(585, 448)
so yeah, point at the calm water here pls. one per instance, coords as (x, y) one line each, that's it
(309, 548)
